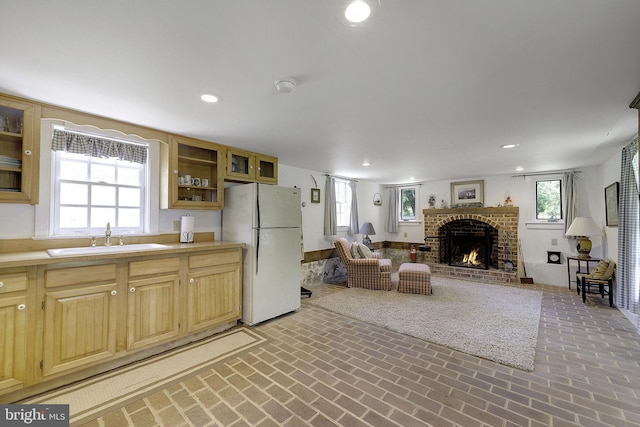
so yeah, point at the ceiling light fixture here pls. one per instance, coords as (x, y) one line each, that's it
(357, 11)
(509, 145)
(519, 169)
(285, 85)
(366, 163)
(210, 97)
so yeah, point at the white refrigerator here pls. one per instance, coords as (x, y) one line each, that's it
(268, 219)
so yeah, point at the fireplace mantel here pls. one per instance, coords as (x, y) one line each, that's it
(506, 210)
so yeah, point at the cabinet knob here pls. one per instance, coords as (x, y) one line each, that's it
(27, 152)
(1, 284)
(132, 290)
(175, 171)
(114, 293)
(21, 307)
(192, 280)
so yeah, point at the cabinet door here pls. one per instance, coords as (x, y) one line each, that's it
(196, 175)
(13, 351)
(213, 297)
(152, 310)
(266, 169)
(79, 326)
(240, 165)
(19, 159)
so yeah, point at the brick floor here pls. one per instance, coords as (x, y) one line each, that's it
(323, 369)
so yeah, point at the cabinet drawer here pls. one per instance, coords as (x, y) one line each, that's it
(213, 258)
(154, 266)
(80, 275)
(11, 282)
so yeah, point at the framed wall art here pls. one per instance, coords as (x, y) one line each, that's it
(315, 195)
(611, 204)
(467, 192)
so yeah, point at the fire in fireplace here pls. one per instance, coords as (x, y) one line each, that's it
(468, 243)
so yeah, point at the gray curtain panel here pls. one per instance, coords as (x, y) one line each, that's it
(569, 180)
(354, 228)
(392, 219)
(628, 271)
(330, 217)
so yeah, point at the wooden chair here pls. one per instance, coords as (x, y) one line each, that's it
(599, 279)
(368, 273)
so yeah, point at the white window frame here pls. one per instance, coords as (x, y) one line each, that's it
(544, 224)
(343, 203)
(416, 208)
(56, 204)
(535, 201)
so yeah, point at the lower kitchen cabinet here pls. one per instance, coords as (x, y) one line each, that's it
(79, 317)
(17, 310)
(213, 296)
(62, 320)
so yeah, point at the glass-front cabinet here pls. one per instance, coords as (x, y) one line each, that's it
(19, 159)
(246, 166)
(195, 178)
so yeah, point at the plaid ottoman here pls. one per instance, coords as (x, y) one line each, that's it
(415, 279)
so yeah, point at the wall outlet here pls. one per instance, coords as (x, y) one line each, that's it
(176, 225)
(405, 234)
(554, 242)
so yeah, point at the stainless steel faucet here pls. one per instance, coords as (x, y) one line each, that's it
(107, 235)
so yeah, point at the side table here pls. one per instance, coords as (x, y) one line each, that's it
(580, 261)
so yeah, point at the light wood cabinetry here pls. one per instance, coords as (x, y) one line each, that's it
(63, 320)
(195, 175)
(213, 295)
(15, 307)
(246, 166)
(79, 317)
(153, 301)
(19, 154)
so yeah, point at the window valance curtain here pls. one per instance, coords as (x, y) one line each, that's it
(95, 146)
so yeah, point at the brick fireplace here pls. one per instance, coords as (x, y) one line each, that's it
(500, 222)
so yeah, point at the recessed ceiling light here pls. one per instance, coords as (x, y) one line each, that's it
(366, 163)
(357, 11)
(210, 97)
(519, 169)
(412, 178)
(509, 145)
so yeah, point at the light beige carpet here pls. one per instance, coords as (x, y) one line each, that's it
(96, 396)
(495, 322)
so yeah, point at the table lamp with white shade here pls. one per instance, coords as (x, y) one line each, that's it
(582, 228)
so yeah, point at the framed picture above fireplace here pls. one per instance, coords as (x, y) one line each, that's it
(467, 193)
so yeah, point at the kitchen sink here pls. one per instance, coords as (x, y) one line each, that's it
(114, 249)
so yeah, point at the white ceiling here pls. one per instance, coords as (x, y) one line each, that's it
(427, 89)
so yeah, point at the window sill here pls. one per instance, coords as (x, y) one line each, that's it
(544, 225)
(411, 223)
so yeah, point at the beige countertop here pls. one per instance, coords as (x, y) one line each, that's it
(21, 259)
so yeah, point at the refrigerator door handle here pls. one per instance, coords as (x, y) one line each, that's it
(257, 248)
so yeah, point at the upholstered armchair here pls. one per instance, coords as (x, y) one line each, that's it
(369, 273)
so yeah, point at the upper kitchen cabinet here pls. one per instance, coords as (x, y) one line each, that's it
(19, 159)
(193, 174)
(246, 166)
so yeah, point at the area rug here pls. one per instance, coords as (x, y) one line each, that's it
(494, 322)
(99, 395)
